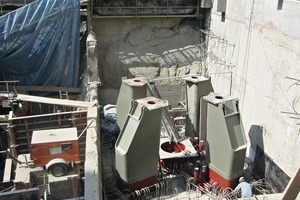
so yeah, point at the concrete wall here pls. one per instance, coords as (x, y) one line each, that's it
(261, 49)
(173, 93)
(255, 41)
(92, 166)
(151, 47)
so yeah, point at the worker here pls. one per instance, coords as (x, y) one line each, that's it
(244, 187)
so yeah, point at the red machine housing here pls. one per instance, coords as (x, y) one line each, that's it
(47, 145)
(223, 181)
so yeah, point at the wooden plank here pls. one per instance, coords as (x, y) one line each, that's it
(7, 170)
(293, 188)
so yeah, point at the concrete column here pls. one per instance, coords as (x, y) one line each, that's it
(196, 88)
(131, 89)
(92, 60)
(12, 137)
(137, 147)
(226, 139)
(93, 177)
(206, 4)
(221, 7)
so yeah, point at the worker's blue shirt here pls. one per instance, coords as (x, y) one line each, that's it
(245, 188)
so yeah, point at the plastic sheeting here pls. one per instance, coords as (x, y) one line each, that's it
(39, 44)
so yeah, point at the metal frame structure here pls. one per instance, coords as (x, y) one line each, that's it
(168, 8)
(7, 6)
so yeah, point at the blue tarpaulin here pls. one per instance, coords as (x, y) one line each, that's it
(39, 44)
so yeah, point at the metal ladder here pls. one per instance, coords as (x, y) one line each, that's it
(62, 94)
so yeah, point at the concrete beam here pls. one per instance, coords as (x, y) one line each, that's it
(53, 101)
(92, 60)
(21, 89)
(206, 4)
(221, 6)
(93, 172)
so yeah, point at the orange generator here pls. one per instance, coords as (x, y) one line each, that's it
(55, 149)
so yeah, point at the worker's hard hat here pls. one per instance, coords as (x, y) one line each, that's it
(242, 179)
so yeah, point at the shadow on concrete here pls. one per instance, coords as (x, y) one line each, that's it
(264, 166)
(257, 144)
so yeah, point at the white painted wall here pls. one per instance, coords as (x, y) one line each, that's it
(264, 48)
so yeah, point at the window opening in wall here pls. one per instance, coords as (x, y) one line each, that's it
(280, 4)
(223, 14)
